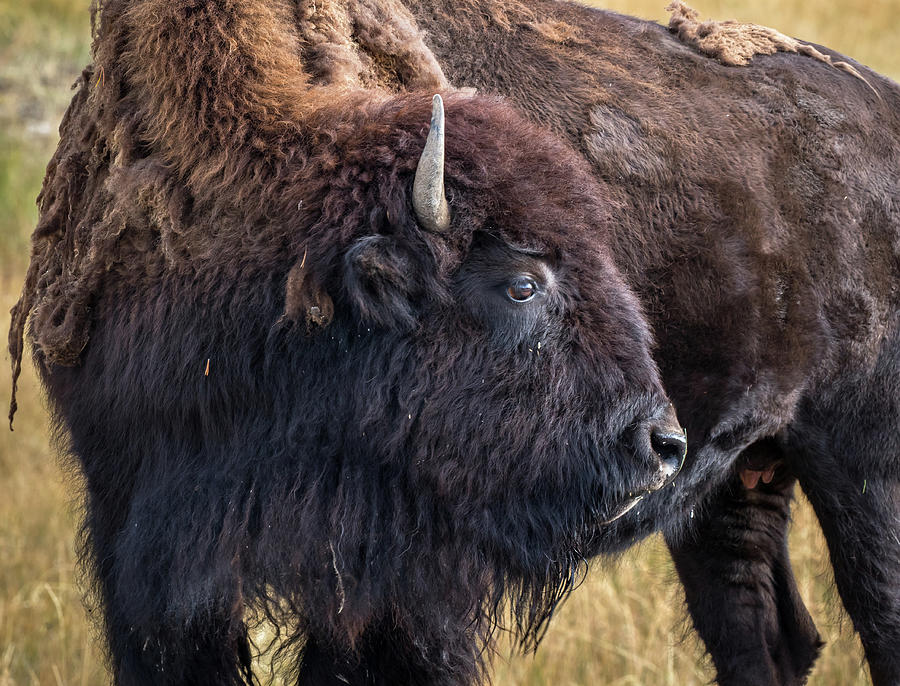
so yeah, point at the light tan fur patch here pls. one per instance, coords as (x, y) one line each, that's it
(373, 43)
(556, 31)
(735, 43)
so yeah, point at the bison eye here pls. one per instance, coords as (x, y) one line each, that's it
(521, 289)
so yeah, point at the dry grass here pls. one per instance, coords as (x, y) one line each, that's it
(44, 635)
(624, 626)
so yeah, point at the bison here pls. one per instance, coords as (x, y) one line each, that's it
(386, 390)
(754, 185)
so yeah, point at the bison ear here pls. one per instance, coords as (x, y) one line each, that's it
(305, 301)
(379, 277)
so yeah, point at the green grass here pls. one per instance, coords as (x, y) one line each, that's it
(624, 626)
(43, 46)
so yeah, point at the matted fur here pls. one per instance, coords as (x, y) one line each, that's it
(375, 44)
(736, 43)
(349, 45)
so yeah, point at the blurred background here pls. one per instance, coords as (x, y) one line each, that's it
(624, 626)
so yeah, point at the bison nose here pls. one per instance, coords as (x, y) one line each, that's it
(668, 443)
(670, 447)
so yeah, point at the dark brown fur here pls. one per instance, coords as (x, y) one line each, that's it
(757, 215)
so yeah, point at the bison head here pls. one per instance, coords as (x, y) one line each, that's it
(486, 383)
(344, 376)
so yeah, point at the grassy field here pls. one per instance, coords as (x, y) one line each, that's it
(623, 626)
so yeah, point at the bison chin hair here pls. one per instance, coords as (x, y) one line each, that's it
(259, 524)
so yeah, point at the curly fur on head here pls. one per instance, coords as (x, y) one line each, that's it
(340, 44)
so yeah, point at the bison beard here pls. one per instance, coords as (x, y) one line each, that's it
(288, 399)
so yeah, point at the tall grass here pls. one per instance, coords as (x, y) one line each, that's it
(624, 626)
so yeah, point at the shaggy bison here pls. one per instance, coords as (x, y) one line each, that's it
(381, 390)
(756, 212)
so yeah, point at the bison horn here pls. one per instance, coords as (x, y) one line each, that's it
(429, 199)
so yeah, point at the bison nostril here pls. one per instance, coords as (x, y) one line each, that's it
(670, 447)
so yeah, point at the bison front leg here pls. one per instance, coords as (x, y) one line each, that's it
(860, 517)
(740, 588)
(213, 651)
(386, 655)
(148, 641)
(211, 648)
(848, 463)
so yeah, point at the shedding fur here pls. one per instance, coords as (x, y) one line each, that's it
(374, 43)
(736, 43)
(343, 45)
(306, 302)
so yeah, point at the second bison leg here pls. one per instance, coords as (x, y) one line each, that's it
(386, 655)
(848, 446)
(740, 587)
